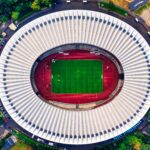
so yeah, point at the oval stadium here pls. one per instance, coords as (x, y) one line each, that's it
(76, 77)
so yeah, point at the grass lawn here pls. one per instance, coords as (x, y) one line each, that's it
(114, 8)
(29, 141)
(77, 76)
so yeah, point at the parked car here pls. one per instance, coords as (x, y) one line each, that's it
(136, 19)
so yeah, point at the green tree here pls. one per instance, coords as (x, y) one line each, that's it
(131, 141)
(26, 5)
(18, 8)
(15, 15)
(46, 2)
(145, 147)
(4, 19)
(122, 147)
(6, 8)
(36, 5)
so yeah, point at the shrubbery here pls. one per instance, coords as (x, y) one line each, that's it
(14, 9)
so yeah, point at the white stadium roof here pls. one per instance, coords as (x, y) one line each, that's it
(66, 126)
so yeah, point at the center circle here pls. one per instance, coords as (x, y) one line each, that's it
(77, 76)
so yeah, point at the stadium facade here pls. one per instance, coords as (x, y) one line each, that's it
(75, 126)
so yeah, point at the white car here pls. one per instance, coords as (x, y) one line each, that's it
(38, 139)
(50, 143)
(68, 1)
(84, 1)
(136, 19)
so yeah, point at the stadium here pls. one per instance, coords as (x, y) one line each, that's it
(76, 77)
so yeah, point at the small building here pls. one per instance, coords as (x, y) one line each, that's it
(10, 142)
(4, 34)
(12, 26)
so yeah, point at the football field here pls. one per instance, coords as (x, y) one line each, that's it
(76, 76)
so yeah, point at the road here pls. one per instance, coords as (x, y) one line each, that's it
(92, 5)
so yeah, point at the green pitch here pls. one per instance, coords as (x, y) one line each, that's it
(77, 76)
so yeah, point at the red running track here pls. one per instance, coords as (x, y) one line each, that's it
(42, 78)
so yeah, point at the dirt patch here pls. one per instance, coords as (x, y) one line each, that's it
(146, 16)
(121, 3)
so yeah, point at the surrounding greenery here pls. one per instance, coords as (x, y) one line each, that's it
(20, 145)
(33, 143)
(140, 10)
(1, 118)
(15, 15)
(134, 141)
(112, 7)
(38, 4)
(25, 16)
(14, 9)
(2, 141)
(130, 142)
